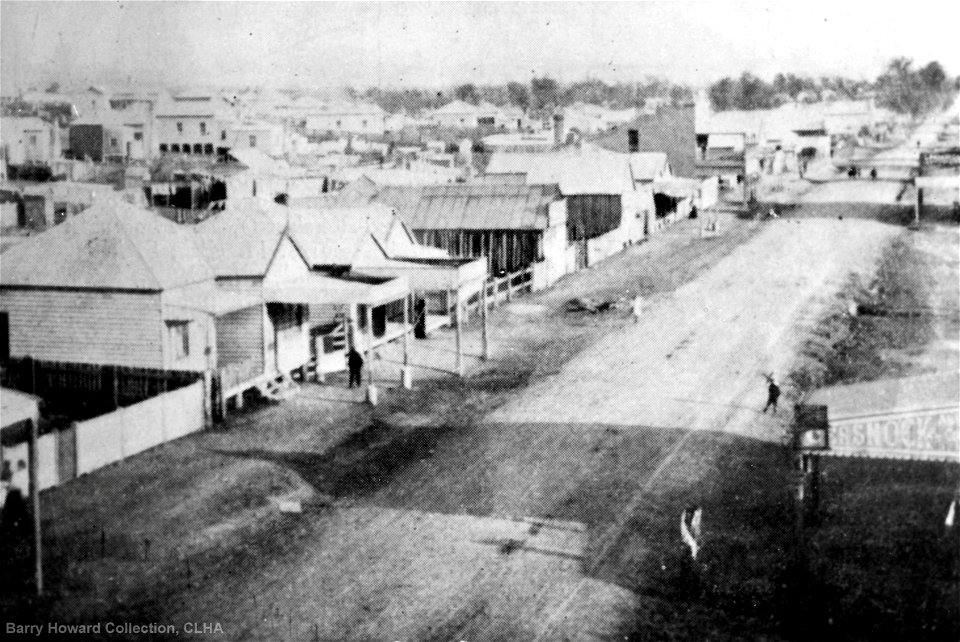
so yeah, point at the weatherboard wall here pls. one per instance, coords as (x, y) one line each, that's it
(85, 326)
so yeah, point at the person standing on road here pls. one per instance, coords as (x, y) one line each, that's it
(355, 366)
(773, 393)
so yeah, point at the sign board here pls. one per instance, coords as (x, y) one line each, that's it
(812, 427)
(932, 435)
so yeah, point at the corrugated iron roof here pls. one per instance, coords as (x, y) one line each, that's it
(474, 206)
(108, 246)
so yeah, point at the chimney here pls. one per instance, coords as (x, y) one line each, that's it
(633, 140)
(558, 128)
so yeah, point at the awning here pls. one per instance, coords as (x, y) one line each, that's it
(319, 289)
(210, 300)
(677, 187)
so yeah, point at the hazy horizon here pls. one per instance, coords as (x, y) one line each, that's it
(314, 44)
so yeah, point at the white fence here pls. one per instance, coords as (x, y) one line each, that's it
(128, 431)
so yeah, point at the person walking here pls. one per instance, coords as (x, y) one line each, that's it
(355, 366)
(773, 393)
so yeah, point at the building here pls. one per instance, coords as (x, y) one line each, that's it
(29, 141)
(195, 124)
(319, 300)
(346, 118)
(587, 119)
(512, 227)
(266, 137)
(20, 413)
(249, 251)
(458, 114)
(605, 211)
(114, 285)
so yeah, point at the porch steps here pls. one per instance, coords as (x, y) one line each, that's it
(279, 388)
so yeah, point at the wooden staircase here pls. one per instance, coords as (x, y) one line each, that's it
(278, 388)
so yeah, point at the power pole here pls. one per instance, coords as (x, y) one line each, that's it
(35, 507)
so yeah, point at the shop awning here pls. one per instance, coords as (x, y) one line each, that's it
(320, 289)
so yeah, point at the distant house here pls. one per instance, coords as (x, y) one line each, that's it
(264, 136)
(195, 124)
(345, 117)
(115, 285)
(29, 141)
(589, 119)
(512, 227)
(605, 210)
(462, 115)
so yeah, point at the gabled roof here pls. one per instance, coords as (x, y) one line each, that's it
(110, 246)
(336, 236)
(647, 166)
(242, 240)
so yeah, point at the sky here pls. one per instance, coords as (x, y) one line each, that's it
(440, 44)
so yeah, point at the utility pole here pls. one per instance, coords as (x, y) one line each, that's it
(486, 329)
(746, 178)
(458, 320)
(35, 506)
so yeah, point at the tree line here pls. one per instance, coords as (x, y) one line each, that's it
(901, 87)
(540, 93)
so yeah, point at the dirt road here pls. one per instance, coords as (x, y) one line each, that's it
(537, 523)
(519, 528)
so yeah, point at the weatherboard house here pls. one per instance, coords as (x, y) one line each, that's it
(114, 285)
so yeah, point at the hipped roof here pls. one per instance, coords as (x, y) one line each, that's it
(110, 246)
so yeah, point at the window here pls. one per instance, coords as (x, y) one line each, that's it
(175, 148)
(163, 148)
(113, 142)
(338, 123)
(223, 134)
(179, 335)
(33, 139)
(186, 148)
(203, 129)
(208, 149)
(253, 141)
(179, 128)
(198, 148)
(364, 123)
(137, 135)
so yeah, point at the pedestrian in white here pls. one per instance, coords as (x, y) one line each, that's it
(637, 308)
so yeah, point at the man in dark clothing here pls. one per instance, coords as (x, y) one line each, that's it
(355, 366)
(773, 394)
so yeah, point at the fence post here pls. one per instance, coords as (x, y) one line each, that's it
(208, 399)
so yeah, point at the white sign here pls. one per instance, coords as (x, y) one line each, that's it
(922, 434)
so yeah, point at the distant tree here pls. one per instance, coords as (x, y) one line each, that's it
(721, 94)
(933, 75)
(467, 93)
(54, 88)
(518, 94)
(680, 95)
(544, 91)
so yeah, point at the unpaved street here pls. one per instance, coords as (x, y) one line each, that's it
(515, 529)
